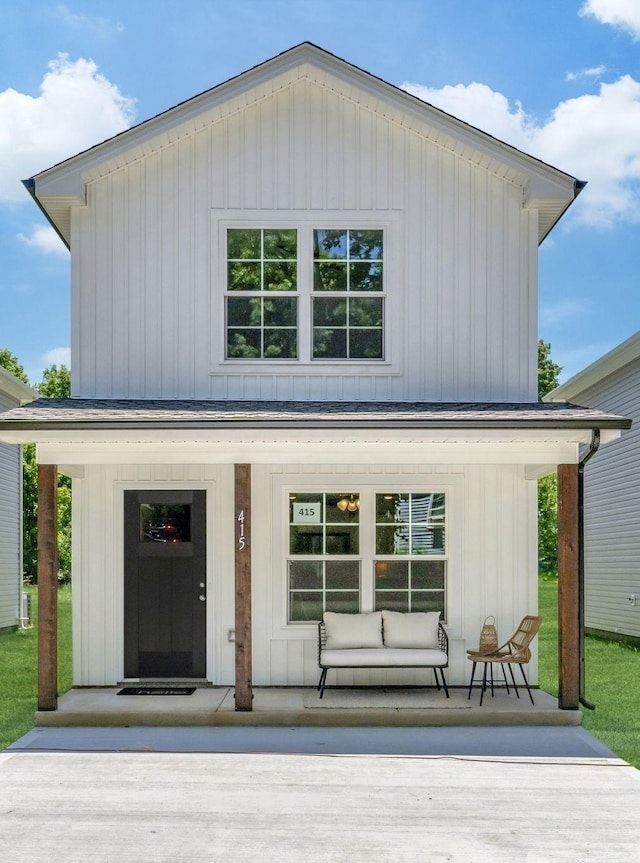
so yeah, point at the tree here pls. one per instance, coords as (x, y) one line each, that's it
(11, 364)
(548, 372)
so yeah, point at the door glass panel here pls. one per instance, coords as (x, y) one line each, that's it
(165, 522)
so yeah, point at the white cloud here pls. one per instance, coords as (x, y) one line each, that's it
(57, 357)
(563, 311)
(594, 72)
(618, 13)
(595, 137)
(45, 240)
(77, 108)
(78, 21)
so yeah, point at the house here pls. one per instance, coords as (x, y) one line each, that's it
(611, 495)
(13, 392)
(304, 361)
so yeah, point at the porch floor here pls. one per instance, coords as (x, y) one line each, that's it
(291, 706)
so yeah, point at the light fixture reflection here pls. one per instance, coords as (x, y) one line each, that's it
(350, 504)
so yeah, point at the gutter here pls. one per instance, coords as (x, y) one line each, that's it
(593, 448)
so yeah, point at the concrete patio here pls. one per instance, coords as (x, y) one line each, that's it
(272, 706)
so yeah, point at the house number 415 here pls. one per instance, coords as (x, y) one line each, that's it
(241, 539)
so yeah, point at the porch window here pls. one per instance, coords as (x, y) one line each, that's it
(262, 301)
(347, 295)
(324, 544)
(410, 564)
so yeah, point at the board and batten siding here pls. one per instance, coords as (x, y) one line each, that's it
(612, 511)
(148, 298)
(491, 539)
(10, 529)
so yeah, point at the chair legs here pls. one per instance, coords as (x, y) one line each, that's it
(487, 680)
(322, 682)
(444, 682)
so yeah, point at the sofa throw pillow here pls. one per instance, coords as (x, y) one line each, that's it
(417, 629)
(346, 631)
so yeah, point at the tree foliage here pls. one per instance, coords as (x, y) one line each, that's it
(55, 383)
(548, 372)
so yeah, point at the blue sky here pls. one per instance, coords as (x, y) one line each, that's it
(560, 80)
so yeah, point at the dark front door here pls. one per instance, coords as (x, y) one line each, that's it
(164, 584)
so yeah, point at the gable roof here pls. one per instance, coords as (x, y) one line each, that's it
(59, 188)
(616, 359)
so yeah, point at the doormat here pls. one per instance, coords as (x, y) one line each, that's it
(157, 690)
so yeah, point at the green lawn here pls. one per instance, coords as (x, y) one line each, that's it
(18, 669)
(612, 677)
(612, 681)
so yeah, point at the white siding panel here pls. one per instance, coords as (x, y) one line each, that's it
(10, 533)
(612, 512)
(459, 308)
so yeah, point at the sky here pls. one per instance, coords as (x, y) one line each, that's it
(559, 79)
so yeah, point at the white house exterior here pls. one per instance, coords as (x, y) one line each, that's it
(304, 316)
(612, 495)
(12, 393)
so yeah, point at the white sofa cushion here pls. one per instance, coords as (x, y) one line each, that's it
(385, 657)
(348, 631)
(413, 630)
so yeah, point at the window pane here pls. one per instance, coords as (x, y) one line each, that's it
(366, 245)
(306, 539)
(428, 602)
(244, 311)
(329, 344)
(392, 508)
(392, 540)
(305, 575)
(426, 540)
(343, 574)
(243, 343)
(329, 312)
(427, 574)
(281, 344)
(365, 312)
(330, 244)
(280, 312)
(342, 539)
(392, 574)
(330, 276)
(343, 508)
(365, 277)
(167, 523)
(392, 600)
(305, 606)
(280, 244)
(365, 344)
(243, 243)
(343, 602)
(280, 276)
(244, 276)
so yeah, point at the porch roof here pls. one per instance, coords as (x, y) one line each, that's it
(115, 414)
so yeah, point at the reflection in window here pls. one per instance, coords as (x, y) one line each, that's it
(168, 523)
(323, 540)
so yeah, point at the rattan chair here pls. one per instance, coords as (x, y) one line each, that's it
(515, 651)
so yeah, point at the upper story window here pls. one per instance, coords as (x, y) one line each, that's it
(262, 301)
(347, 295)
(304, 294)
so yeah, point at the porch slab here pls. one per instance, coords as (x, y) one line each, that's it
(289, 706)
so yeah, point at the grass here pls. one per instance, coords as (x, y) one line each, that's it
(19, 669)
(612, 680)
(612, 676)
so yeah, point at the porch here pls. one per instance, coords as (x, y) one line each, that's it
(300, 706)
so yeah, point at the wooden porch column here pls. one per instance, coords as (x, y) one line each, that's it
(568, 587)
(47, 587)
(243, 693)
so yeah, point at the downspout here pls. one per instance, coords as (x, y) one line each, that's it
(593, 449)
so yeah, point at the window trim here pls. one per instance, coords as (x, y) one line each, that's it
(304, 223)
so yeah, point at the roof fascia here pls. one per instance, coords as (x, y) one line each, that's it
(14, 388)
(621, 356)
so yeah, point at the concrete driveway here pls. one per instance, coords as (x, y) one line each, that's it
(147, 805)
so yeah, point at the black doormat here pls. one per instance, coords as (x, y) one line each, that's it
(157, 690)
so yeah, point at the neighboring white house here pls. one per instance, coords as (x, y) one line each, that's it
(12, 393)
(304, 341)
(612, 494)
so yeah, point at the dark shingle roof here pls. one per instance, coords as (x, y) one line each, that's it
(67, 414)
